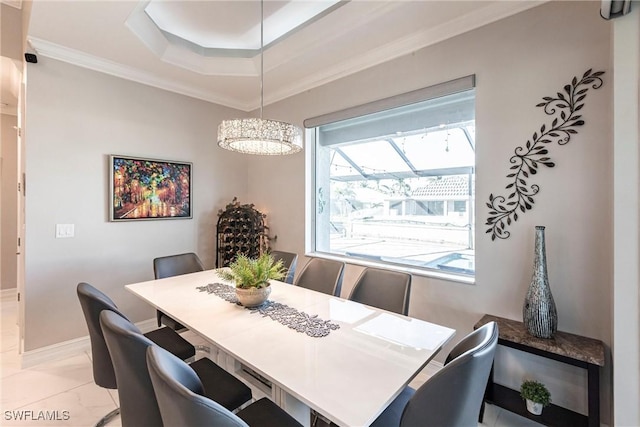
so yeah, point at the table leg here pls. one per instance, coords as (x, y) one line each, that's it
(297, 409)
(487, 394)
(593, 395)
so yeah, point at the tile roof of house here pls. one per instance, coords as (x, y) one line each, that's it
(444, 186)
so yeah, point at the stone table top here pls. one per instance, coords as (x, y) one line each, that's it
(576, 347)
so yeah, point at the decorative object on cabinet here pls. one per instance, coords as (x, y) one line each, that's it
(536, 395)
(251, 277)
(240, 230)
(539, 310)
(503, 211)
(143, 189)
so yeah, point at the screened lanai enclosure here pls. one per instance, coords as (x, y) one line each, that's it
(397, 185)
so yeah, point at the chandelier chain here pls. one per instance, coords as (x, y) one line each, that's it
(261, 57)
(259, 135)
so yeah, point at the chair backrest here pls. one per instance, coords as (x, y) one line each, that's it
(128, 349)
(93, 302)
(179, 394)
(322, 275)
(289, 261)
(388, 290)
(453, 396)
(175, 265)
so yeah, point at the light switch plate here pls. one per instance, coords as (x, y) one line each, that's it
(64, 231)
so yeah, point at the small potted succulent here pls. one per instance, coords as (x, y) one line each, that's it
(251, 277)
(536, 395)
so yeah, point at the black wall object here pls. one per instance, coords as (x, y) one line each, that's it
(31, 57)
(503, 211)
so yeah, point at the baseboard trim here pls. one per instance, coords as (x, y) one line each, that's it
(57, 351)
(68, 348)
(8, 294)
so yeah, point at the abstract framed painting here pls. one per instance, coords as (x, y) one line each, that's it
(147, 189)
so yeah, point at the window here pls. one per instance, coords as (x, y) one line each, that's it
(396, 184)
(459, 206)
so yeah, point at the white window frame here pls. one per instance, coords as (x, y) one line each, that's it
(312, 125)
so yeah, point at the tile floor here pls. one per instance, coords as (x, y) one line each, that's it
(65, 388)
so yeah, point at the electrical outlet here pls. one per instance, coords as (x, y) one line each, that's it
(64, 231)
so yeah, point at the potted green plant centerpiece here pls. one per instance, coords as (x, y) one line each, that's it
(536, 395)
(252, 276)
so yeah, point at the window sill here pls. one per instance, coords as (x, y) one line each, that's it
(416, 271)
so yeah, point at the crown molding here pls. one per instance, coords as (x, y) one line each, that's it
(219, 61)
(8, 295)
(9, 111)
(404, 46)
(13, 3)
(181, 53)
(91, 62)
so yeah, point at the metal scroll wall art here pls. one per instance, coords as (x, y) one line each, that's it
(527, 160)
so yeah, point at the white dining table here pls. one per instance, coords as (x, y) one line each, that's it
(349, 376)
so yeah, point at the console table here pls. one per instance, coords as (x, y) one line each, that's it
(568, 348)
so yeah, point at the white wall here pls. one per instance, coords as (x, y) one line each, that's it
(11, 41)
(9, 201)
(76, 118)
(626, 321)
(516, 61)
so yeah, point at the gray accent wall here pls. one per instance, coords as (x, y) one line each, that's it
(76, 118)
(516, 62)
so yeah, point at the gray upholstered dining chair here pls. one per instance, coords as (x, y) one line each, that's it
(453, 396)
(138, 405)
(93, 302)
(322, 275)
(385, 289)
(289, 261)
(180, 398)
(174, 265)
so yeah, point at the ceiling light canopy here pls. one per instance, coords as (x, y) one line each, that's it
(258, 135)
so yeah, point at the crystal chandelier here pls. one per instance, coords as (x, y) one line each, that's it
(258, 135)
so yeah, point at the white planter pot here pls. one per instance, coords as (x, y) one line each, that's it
(533, 407)
(253, 297)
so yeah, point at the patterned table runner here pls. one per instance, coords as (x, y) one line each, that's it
(299, 321)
